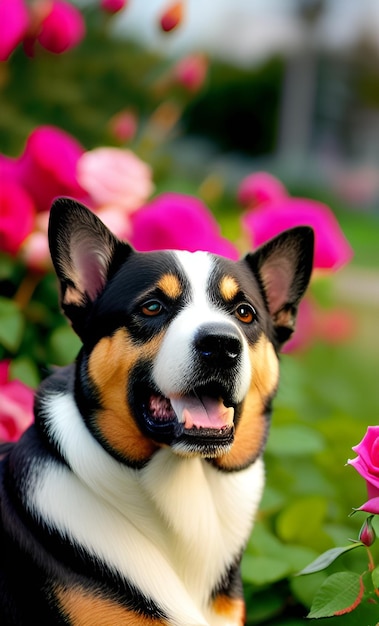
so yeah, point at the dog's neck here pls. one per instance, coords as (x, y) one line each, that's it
(152, 523)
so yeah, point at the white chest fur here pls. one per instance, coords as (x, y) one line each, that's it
(171, 528)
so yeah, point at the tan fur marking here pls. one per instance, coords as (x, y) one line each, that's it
(170, 285)
(73, 296)
(110, 364)
(85, 609)
(251, 428)
(231, 608)
(228, 288)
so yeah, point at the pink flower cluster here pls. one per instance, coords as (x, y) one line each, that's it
(177, 221)
(112, 181)
(367, 465)
(16, 405)
(116, 184)
(45, 169)
(271, 210)
(56, 25)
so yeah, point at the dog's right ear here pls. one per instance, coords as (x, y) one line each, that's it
(85, 255)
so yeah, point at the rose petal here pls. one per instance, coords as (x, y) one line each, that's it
(260, 187)
(371, 506)
(16, 216)
(14, 20)
(332, 250)
(117, 177)
(16, 406)
(63, 28)
(368, 448)
(47, 168)
(180, 222)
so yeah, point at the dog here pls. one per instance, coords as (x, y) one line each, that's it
(131, 498)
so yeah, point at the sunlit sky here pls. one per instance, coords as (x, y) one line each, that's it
(247, 30)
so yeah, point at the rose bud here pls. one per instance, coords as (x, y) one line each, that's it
(172, 17)
(367, 533)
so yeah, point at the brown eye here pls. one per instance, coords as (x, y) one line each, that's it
(152, 308)
(245, 313)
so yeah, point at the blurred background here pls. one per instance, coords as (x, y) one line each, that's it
(208, 93)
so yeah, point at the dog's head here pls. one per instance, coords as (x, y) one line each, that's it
(179, 349)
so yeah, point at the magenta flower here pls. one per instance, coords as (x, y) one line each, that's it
(277, 212)
(191, 71)
(260, 187)
(14, 22)
(123, 125)
(367, 465)
(47, 168)
(16, 405)
(62, 28)
(181, 222)
(112, 6)
(16, 215)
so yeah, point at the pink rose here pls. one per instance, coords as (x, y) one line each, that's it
(16, 216)
(260, 187)
(367, 465)
(16, 405)
(114, 177)
(191, 71)
(177, 221)
(277, 212)
(35, 249)
(14, 21)
(123, 125)
(62, 28)
(47, 168)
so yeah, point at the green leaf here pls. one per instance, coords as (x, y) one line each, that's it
(6, 267)
(328, 557)
(341, 593)
(301, 523)
(24, 369)
(11, 324)
(272, 500)
(262, 570)
(294, 440)
(64, 345)
(304, 588)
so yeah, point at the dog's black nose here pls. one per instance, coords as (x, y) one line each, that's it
(219, 345)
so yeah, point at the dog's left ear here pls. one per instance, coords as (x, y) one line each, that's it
(283, 267)
(85, 255)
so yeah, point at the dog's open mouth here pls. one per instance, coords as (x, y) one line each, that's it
(192, 411)
(202, 415)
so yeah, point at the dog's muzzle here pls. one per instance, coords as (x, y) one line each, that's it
(200, 407)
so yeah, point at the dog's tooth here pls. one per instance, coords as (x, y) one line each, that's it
(179, 407)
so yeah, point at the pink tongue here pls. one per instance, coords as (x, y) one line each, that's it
(202, 412)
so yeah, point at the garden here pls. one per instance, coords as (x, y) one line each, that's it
(174, 152)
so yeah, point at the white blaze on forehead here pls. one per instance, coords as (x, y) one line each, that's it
(174, 364)
(198, 267)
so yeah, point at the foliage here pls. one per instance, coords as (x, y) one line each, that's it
(325, 400)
